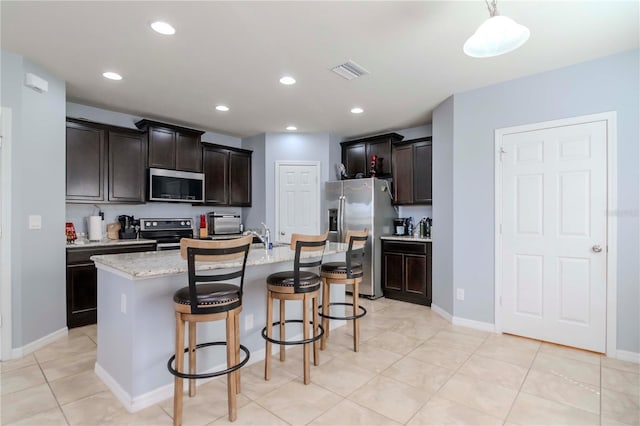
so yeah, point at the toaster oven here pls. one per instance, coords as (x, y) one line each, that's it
(223, 224)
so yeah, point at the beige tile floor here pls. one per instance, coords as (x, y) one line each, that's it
(413, 368)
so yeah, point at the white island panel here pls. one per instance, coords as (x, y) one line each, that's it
(136, 320)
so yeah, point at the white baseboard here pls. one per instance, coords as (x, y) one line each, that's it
(38, 344)
(438, 310)
(477, 325)
(627, 356)
(164, 392)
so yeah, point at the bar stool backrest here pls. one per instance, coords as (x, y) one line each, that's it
(234, 252)
(355, 253)
(306, 243)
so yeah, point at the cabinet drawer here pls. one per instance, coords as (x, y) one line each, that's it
(83, 255)
(405, 247)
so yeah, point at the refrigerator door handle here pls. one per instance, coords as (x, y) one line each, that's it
(341, 218)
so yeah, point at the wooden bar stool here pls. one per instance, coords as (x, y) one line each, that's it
(301, 285)
(208, 299)
(349, 272)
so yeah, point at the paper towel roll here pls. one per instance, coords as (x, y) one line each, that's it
(95, 228)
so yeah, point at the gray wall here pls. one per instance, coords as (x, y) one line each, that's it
(606, 84)
(294, 147)
(37, 188)
(256, 214)
(114, 118)
(443, 211)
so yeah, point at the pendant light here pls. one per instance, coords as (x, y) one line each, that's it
(496, 36)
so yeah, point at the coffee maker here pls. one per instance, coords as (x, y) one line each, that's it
(400, 225)
(128, 227)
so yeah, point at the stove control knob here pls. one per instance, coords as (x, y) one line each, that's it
(155, 224)
(182, 223)
(147, 224)
(188, 223)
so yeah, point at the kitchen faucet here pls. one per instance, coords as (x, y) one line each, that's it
(264, 239)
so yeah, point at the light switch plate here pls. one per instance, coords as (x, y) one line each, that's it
(35, 221)
(460, 294)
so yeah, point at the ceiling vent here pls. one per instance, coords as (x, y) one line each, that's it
(350, 70)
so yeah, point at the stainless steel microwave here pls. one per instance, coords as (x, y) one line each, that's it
(174, 185)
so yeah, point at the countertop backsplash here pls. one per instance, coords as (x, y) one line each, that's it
(78, 213)
(416, 212)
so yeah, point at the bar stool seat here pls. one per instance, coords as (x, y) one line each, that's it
(340, 269)
(345, 273)
(297, 284)
(208, 299)
(209, 294)
(308, 281)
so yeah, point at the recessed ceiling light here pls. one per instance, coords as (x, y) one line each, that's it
(292, 128)
(163, 28)
(112, 75)
(357, 110)
(223, 108)
(288, 80)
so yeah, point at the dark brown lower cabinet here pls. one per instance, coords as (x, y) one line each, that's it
(82, 281)
(406, 271)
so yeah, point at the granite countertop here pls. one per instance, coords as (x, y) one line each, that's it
(157, 263)
(405, 238)
(108, 243)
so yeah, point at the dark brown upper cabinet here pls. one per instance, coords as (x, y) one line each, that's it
(412, 171)
(173, 147)
(127, 159)
(356, 155)
(104, 163)
(239, 178)
(85, 150)
(227, 174)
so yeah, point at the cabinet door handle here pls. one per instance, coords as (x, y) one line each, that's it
(596, 249)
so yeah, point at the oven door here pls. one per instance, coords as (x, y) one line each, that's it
(167, 246)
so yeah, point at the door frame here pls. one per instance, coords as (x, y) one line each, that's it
(612, 225)
(315, 164)
(6, 349)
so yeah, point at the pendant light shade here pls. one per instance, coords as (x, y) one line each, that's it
(496, 36)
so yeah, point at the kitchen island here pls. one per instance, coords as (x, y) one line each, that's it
(136, 321)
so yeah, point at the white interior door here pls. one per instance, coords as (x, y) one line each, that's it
(554, 234)
(298, 199)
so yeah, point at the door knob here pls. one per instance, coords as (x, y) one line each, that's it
(281, 232)
(596, 248)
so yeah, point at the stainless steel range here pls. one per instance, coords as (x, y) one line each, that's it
(166, 231)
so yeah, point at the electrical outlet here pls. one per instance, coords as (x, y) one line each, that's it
(460, 294)
(123, 303)
(35, 221)
(248, 322)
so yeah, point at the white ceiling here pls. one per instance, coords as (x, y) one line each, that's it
(235, 52)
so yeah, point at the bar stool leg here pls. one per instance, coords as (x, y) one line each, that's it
(282, 329)
(305, 334)
(356, 321)
(231, 380)
(316, 344)
(326, 295)
(236, 345)
(192, 357)
(179, 366)
(267, 345)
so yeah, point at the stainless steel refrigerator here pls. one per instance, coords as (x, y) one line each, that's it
(357, 204)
